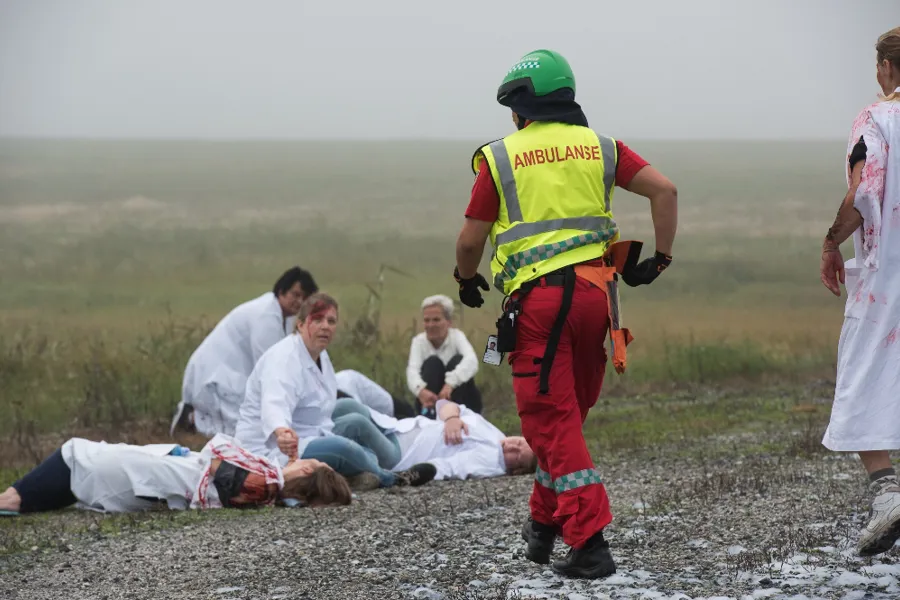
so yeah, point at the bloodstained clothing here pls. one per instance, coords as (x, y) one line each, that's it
(866, 410)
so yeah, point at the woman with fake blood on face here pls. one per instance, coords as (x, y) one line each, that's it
(289, 401)
(129, 478)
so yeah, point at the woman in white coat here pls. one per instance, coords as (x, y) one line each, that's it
(216, 373)
(126, 478)
(865, 416)
(291, 395)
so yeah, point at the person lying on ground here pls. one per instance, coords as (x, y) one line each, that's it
(291, 395)
(442, 363)
(353, 384)
(216, 373)
(128, 478)
(460, 443)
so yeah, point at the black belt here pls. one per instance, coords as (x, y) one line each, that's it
(565, 278)
(551, 279)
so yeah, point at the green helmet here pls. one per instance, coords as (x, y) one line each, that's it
(540, 72)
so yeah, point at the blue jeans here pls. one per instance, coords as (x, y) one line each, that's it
(347, 458)
(353, 421)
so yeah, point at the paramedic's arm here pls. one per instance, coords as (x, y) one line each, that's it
(470, 246)
(663, 196)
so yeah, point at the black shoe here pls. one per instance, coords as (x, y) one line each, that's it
(183, 420)
(592, 561)
(419, 474)
(540, 539)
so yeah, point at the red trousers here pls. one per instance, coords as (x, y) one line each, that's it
(567, 490)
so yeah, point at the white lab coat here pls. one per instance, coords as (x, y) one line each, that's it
(113, 477)
(216, 374)
(287, 389)
(480, 455)
(866, 410)
(361, 388)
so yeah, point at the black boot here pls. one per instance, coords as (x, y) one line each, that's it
(539, 538)
(591, 561)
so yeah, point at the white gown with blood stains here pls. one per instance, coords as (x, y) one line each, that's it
(866, 410)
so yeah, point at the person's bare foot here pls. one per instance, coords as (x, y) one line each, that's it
(10, 500)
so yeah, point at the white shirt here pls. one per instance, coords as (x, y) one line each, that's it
(114, 477)
(217, 371)
(421, 439)
(455, 343)
(360, 387)
(287, 389)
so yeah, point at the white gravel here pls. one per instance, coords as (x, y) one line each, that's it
(761, 527)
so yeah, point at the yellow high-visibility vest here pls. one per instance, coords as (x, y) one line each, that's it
(556, 184)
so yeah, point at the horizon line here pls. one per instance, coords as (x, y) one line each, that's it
(81, 138)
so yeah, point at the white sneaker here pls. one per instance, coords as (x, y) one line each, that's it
(883, 528)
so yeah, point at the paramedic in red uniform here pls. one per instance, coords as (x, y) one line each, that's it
(542, 195)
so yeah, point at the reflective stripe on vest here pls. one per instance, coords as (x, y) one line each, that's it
(529, 232)
(508, 181)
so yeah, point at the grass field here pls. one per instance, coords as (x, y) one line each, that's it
(119, 256)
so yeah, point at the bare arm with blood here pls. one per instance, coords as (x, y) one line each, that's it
(846, 222)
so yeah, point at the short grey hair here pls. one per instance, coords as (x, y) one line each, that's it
(440, 300)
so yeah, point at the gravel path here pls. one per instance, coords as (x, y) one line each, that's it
(764, 527)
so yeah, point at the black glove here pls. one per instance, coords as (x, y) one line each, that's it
(468, 289)
(647, 270)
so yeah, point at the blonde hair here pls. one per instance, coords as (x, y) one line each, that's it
(440, 300)
(888, 48)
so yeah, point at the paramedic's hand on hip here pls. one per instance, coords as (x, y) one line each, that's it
(468, 289)
(832, 270)
(646, 271)
(287, 441)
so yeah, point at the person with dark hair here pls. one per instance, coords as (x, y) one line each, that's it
(213, 386)
(297, 282)
(129, 478)
(543, 198)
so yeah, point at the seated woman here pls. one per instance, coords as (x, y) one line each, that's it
(442, 363)
(290, 398)
(460, 443)
(126, 478)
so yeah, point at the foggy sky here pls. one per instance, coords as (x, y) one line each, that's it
(430, 68)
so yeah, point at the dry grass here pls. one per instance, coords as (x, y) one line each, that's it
(118, 256)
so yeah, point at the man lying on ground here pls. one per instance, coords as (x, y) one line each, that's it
(216, 373)
(460, 443)
(353, 384)
(127, 478)
(290, 399)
